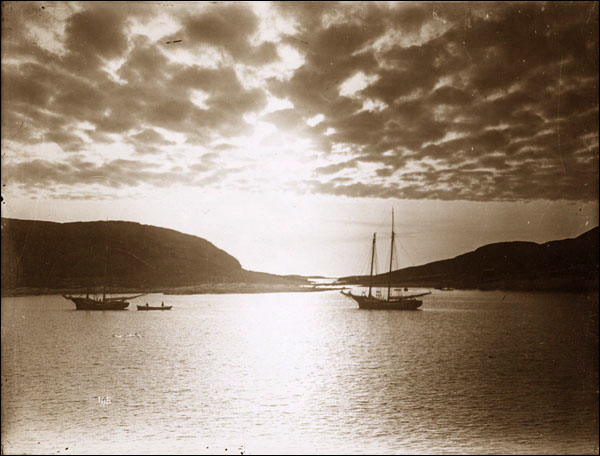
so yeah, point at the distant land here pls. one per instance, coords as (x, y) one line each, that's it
(41, 257)
(564, 265)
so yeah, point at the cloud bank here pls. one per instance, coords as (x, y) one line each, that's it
(466, 101)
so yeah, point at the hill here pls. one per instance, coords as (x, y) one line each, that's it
(46, 256)
(568, 264)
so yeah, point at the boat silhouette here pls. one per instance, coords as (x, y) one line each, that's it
(105, 303)
(147, 307)
(389, 302)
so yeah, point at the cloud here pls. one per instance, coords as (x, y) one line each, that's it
(96, 33)
(227, 27)
(513, 86)
(116, 173)
(482, 101)
(149, 141)
(335, 167)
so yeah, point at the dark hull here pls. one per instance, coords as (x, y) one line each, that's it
(365, 302)
(92, 304)
(154, 308)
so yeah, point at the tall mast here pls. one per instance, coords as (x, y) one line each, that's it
(105, 265)
(391, 257)
(372, 258)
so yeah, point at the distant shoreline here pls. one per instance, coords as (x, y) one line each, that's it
(548, 286)
(559, 285)
(257, 288)
(208, 288)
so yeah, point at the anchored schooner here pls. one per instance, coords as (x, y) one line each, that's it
(87, 303)
(368, 301)
(90, 303)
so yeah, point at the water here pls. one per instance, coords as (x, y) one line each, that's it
(472, 372)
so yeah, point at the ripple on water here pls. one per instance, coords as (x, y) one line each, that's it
(471, 372)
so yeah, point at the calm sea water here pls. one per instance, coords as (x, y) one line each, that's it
(472, 372)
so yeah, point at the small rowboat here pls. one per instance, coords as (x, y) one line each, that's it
(146, 307)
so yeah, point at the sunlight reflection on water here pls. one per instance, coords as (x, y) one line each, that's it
(471, 372)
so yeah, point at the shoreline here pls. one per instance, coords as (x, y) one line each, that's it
(257, 288)
(208, 288)
(246, 288)
(559, 285)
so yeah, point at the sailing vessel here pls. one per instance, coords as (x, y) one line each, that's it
(106, 303)
(87, 303)
(368, 301)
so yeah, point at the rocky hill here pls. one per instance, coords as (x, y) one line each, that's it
(568, 264)
(47, 256)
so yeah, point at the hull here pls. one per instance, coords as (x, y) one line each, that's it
(154, 308)
(370, 303)
(92, 304)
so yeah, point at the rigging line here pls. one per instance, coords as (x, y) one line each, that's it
(366, 261)
(105, 261)
(375, 261)
(365, 265)
(382, 234)
(357, 266)
(412, 263)
(395, 257)
(409, 257)
(359, 263)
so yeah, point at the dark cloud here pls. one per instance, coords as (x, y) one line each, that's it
(228, 27)
(503, 98)
(334, 168)
(149, 142)
(476, 101)
(45, 100)
(96, 32)
(116, 173)
(151, 137)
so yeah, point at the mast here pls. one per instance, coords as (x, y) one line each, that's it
(391, 257)
(372, 258)
(105, 266)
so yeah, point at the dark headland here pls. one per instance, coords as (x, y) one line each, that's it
(563, 265)
(45, 258)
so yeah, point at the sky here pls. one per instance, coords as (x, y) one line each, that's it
(286, 132)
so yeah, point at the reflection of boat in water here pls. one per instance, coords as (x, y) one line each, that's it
(87, 303)
(147, 307)
(368, 301)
